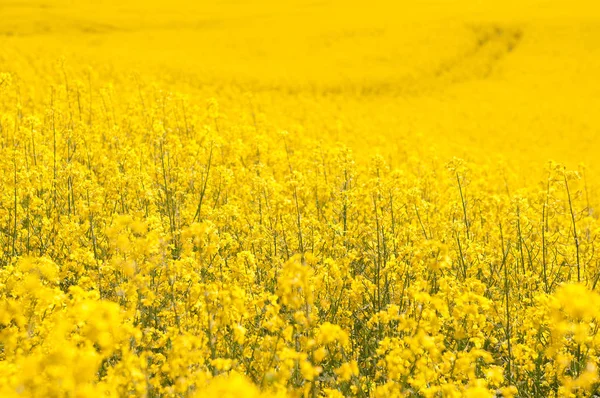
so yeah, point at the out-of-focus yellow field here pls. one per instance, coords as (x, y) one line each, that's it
(467, 78)
(304, 198)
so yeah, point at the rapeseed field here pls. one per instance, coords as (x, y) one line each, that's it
(300, 198)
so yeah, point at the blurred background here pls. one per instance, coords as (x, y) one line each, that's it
(518, 79)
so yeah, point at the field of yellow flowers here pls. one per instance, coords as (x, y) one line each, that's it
(269, 199)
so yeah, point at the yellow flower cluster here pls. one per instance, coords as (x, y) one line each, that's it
(260, 233)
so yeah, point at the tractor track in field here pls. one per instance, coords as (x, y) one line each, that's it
(492, 44)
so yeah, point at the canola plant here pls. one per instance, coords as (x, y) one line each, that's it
(299, 199)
